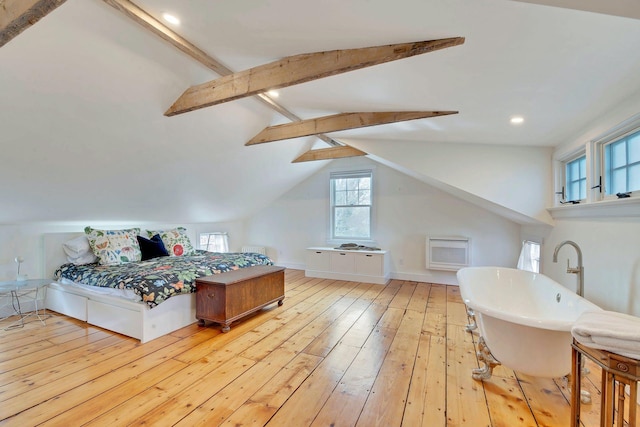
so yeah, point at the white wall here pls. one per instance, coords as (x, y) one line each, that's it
(610, 245)
(26, 240)
(611, 259)
(406, 212)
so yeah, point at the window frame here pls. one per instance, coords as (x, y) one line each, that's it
(342, 174)
(222, 234)
(560, 176)
(582, 155)
(598, 203)
(526, 257)
(605, 144)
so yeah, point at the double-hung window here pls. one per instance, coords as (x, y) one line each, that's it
(214, 242)
(622, 164)
(529, 259)
(351, 205)
(576, 179)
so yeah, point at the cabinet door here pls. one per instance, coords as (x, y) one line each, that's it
(369, 264)
(343, 262)
(318, 260)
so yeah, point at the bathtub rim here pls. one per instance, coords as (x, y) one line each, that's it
(533, 321)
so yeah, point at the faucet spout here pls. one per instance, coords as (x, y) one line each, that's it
(579, 270)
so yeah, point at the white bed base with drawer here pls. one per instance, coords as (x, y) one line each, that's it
(133, 319)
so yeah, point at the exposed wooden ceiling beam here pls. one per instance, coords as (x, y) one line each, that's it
(18, 15)
(298, 69)
(338, 122)
(158, 28)
(330, 153)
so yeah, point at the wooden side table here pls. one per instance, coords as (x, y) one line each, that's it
(617, 373)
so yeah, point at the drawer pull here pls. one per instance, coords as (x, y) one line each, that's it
(212, 295)
(342, 253)
(369, 255)
(318, 252)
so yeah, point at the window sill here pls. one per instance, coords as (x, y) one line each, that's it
(603, 209)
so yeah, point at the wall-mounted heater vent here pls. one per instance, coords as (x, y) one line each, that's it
(448, 253)
(255, 249)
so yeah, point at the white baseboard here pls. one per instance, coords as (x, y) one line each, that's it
(441, 278)
(347, 277)
(291, 265)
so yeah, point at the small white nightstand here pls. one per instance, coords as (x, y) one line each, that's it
(17, 291)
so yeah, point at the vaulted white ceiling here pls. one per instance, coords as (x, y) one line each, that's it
(84, 90)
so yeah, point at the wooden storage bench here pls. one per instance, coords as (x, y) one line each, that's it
(226, 297)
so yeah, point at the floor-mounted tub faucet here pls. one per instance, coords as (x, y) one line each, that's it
(585, 396)
(579, 270)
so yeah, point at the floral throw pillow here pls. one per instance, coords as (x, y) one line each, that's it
(114, 246)
(175, 241)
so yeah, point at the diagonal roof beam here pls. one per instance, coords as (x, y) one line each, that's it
(338, 122)
(158, 28)
(18, 15)
(329, 153)
(298, 69)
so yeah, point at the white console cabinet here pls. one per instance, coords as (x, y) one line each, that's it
(356, 266)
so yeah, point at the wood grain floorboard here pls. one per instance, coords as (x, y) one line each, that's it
(337, 353)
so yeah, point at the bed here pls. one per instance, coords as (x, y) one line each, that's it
(161, 300)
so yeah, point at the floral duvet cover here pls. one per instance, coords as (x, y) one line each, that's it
(157, 279)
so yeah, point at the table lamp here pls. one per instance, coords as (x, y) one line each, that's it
(19, 260)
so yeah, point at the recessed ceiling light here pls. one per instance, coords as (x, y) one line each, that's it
(273, 93)
(516, 120)
(170, 19)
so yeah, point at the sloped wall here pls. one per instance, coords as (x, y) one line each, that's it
(406, 212)
(516, 178)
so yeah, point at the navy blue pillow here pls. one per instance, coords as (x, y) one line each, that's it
(152, 248)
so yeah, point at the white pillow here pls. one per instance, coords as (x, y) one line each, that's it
(89, 258)
(79, 251)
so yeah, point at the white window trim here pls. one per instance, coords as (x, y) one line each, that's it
(596, 205)
(525, 261)
(601, 147)
(560, 178)
(564, 175)
(331, 241)
(222, 234)
(629, 126)
(627, 208)
(594, 168)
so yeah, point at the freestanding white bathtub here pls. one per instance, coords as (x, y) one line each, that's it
(524, 318)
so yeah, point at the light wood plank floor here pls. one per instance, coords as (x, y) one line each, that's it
(336, 354)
